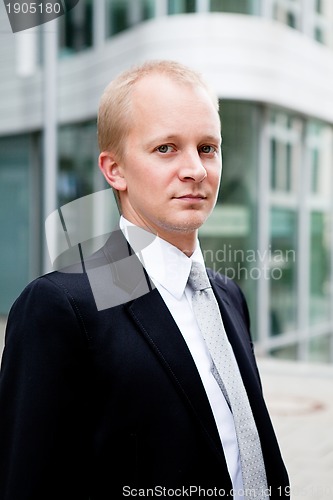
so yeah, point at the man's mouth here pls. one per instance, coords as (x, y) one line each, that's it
(191, 196)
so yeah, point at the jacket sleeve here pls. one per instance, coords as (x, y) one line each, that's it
(44, 383)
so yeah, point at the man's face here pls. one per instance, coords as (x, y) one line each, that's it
(171, 162)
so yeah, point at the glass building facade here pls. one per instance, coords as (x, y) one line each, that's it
(271, 229)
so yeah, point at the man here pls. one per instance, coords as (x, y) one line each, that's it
(109, 386)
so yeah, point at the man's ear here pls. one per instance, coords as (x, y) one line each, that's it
(112, 171)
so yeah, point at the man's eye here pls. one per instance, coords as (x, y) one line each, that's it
(207, 149)
(164, 148)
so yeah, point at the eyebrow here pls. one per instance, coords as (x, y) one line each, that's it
(166, 138)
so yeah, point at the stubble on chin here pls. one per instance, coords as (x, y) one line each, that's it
(184, 226)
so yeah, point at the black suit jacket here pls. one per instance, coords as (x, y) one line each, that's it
(94, 403)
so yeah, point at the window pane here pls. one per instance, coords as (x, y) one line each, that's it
(319, 34)
(318, 6)
(286, 352)
(181, 6)
(320, 349)
(322, 18)
(118, 16)
(320, 268)
(283, 297)
(77, 161)
(122, 14)
(148, 9)
(288, 12)
(319, 147)
(285, 152)
(75, 28)
(14, 218)
(236, 6)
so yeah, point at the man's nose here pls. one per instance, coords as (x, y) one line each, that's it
(191, 167)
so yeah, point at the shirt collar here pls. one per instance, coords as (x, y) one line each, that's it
(164, 262)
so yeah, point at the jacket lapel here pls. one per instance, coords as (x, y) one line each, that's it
(238, 336)
(159, 329)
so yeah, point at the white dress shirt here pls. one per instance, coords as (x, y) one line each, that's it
(169, 269)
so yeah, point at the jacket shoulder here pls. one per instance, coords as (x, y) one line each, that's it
(51, 298)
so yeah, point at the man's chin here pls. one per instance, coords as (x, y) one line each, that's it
(186, 226)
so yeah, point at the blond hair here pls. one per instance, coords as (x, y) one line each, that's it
(113, 122)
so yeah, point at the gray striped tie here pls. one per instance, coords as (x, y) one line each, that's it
(208, 316)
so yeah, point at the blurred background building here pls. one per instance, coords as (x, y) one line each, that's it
(271, 63)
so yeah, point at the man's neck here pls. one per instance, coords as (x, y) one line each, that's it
(186, 242)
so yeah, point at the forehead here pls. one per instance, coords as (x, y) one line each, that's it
(160, 100)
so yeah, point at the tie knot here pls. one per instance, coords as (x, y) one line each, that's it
(198, 279)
